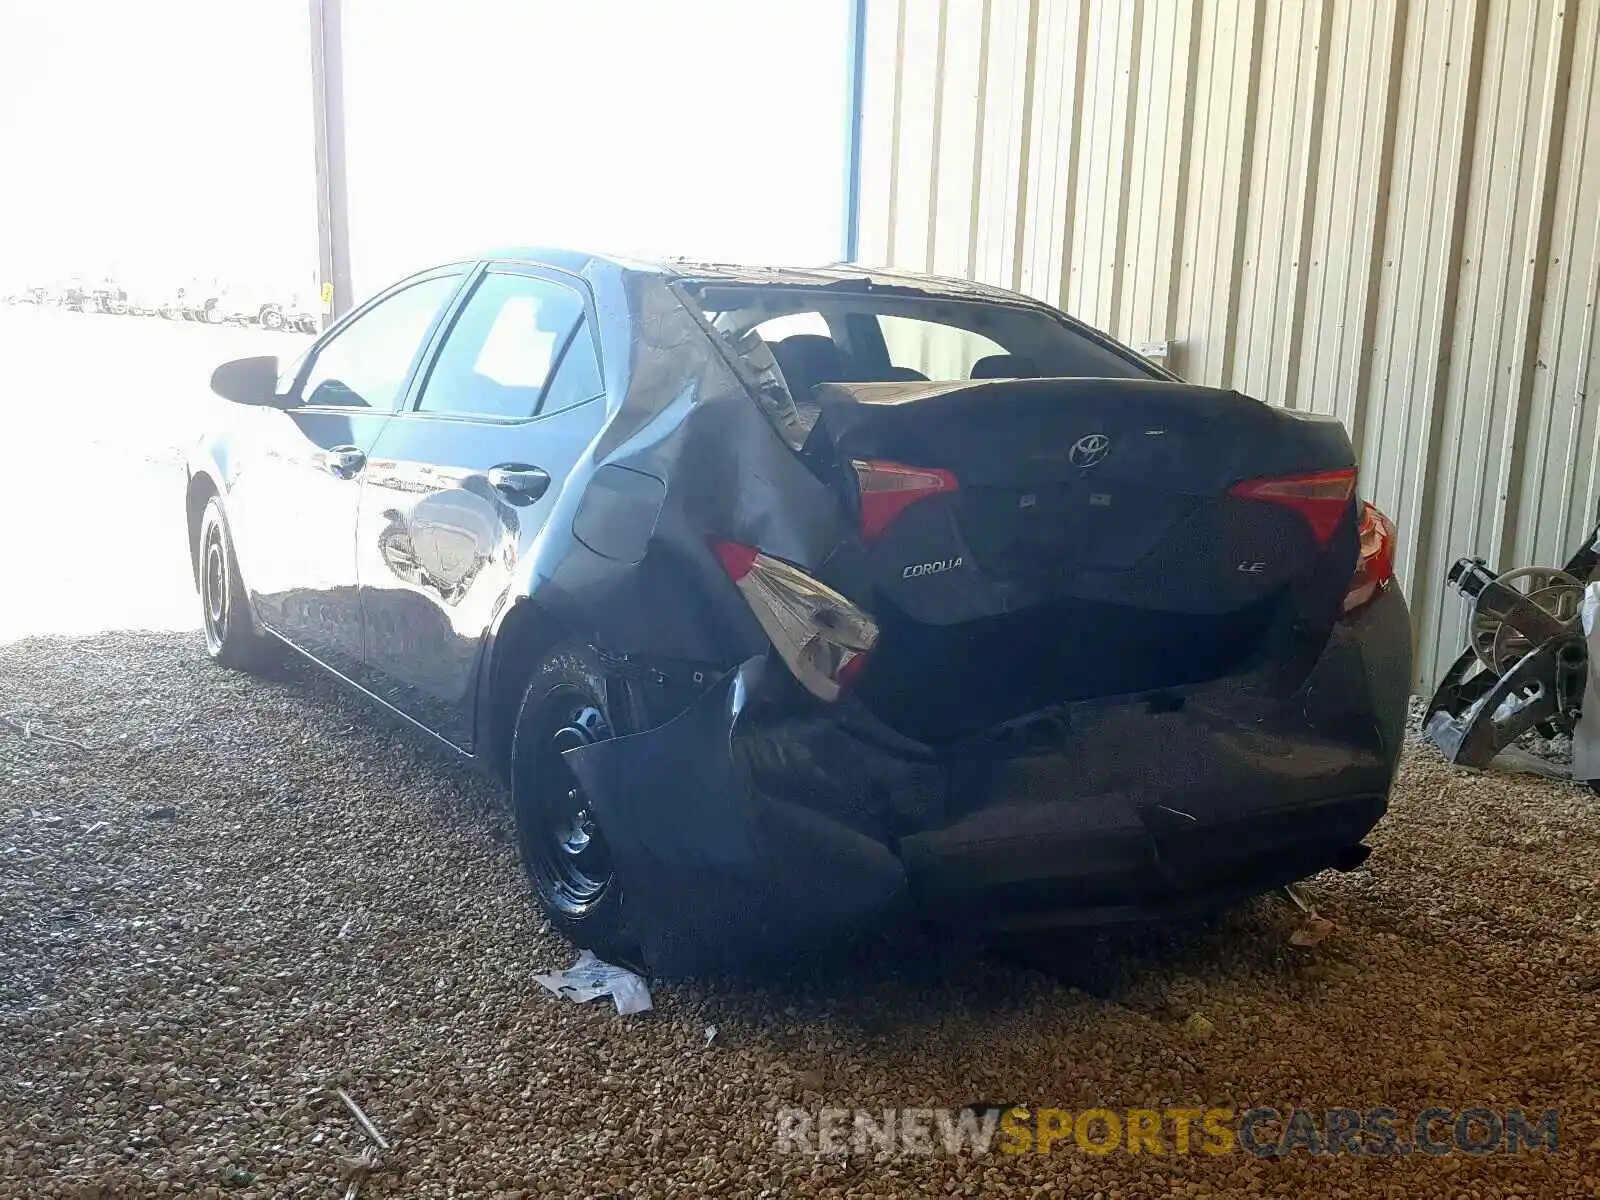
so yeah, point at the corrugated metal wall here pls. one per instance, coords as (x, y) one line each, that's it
(1388, 210)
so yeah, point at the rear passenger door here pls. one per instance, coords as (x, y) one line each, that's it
(460, 484)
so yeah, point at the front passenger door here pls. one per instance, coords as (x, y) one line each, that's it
(459, 487)
(294, 503)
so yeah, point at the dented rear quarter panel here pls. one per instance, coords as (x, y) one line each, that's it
(702, 461)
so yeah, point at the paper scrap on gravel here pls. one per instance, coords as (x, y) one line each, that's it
(1312, 932)
(590, 977)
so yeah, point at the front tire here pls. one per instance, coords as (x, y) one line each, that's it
(232, 639)
(568, 703)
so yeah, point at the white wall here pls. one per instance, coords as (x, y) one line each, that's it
(703, 128)
(165, 137)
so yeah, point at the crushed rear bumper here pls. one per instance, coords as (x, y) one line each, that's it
(741, 829)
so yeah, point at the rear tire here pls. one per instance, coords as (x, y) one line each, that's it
(232, 639)
(568, 703)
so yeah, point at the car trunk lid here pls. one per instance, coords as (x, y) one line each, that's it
(1082, 538)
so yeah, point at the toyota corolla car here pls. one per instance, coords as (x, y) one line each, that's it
(790, 601)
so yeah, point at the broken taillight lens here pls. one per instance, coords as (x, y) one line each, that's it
(822, 637)
(888, 489)
(1322, 497)
(1375, 565)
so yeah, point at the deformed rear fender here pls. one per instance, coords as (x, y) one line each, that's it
(716, 871)
(624, 559)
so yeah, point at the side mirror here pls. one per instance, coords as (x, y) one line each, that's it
(249, 381)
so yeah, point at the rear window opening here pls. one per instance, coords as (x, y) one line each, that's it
(815, 335)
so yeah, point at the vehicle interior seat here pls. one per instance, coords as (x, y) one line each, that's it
(1004, 366)
(807, 359)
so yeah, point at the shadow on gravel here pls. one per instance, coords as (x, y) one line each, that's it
(862, 982)
(74, 686)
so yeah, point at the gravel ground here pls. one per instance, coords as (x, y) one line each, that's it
(248, 892)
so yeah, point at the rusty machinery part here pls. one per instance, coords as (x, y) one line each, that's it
(1496, 632)
(1542, 691)
(1526, 660)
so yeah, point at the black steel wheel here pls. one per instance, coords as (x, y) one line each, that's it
(231, 636)
(567, 705)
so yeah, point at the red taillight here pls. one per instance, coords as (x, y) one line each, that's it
(888, 489)
(1375, 566)
(736, 560)
(822, 637)
(1322, 497)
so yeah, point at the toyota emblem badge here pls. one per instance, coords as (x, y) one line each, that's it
(1089, 450)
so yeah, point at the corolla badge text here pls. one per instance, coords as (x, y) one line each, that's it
(930, 568)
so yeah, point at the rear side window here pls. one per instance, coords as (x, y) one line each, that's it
(521, 346)
(366, 363)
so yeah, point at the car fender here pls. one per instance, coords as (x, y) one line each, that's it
(624, 562)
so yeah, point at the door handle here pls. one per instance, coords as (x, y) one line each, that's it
(518, 483)
(343, 461)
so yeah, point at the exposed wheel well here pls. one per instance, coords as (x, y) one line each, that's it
(201, 488)
(525, 634)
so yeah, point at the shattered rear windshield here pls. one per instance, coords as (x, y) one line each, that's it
(828, 335)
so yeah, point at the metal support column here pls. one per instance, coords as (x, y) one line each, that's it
(855, 82)
(333, 213)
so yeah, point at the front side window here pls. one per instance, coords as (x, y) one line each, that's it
(365, 364)
(518, 339)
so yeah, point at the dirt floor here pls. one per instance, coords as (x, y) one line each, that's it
(224, 897)
(246, 893)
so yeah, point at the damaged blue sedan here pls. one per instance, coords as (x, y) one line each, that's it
(787, 602)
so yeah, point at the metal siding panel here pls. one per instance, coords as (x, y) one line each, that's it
(1528, 428)
(1319, 25)
(908, 234)
(1418, 296)
(1098, 197)
(1345, 247)
(1156, 159)
(1224, 112)
(1272, 205)
(959, 128)
(999, 207)
(981, 118)
(879, 111)
(941, 88)
(1055, 120)
(1564, 492)
(1483, 404)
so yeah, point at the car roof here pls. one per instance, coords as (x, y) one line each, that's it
(842, 275)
